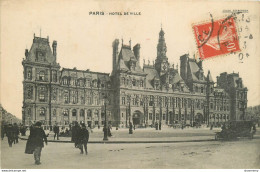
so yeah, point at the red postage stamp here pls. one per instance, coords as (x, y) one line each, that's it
(216, 37)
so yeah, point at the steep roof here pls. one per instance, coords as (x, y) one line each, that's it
(151, 74)
(125, 56)
(41, 45)
(194, 68)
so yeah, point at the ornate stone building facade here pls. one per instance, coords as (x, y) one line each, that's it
(145, 95)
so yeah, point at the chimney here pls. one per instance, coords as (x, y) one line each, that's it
(26, 53)
(54, 48)
(137, 51)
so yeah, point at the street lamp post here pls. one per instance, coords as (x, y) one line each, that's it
(160, 117)
(129, 114)
(105, 124)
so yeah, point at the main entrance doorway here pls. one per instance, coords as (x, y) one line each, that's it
(137, 118)
(199, 119)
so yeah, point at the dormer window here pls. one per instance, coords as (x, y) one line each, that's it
(65, 81)
(132, 65)
(40, 56)
(134, 82)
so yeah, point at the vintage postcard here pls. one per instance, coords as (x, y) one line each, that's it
(130, 84)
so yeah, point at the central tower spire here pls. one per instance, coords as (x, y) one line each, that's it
(161, 62)
(161, 46)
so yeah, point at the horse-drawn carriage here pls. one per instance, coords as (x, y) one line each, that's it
(236, 129)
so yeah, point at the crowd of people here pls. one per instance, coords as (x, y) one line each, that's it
(11, 131)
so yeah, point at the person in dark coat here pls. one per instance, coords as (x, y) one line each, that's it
(109, 131)
(2, 131)
(83, 137)
(16, 133)
(37, 136)
(74, 133)
(10, 134)
(56, 130)
(130, 128)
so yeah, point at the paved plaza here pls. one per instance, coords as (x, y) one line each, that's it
(243, 153)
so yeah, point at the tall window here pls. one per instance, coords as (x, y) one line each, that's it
(29, 73)
(151, 101)
(88, 83)
(54, 76)
(150, 116)
(74, 112)
(42, 111)
(65, 81)
(41, 76)
(89, 100)
(54, 112)
(66, 98)
(66, 112)
(82, 113)
(54, 93)
(29, 92)
(74, 97)
(201, 90)
(141, 83)
(134, 82)
(123, 100)
(42, 93)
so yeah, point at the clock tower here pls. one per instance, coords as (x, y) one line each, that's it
(161, 62)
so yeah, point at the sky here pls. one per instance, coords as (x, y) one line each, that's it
(85, 41)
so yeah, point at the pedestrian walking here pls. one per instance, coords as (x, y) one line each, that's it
(211, 126)
(56, 130)
(35, 142)
(10, 134)
(109, 131)
(156, 125)
(130, 128)
(83, 137)
(74, 133)
(16, 133)
(2, 131)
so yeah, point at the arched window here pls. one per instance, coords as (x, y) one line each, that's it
(201, 90)
(42, 111)
(89, 114)
(74, 112)
(66, 112)
(82, 112)
(42, 76)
